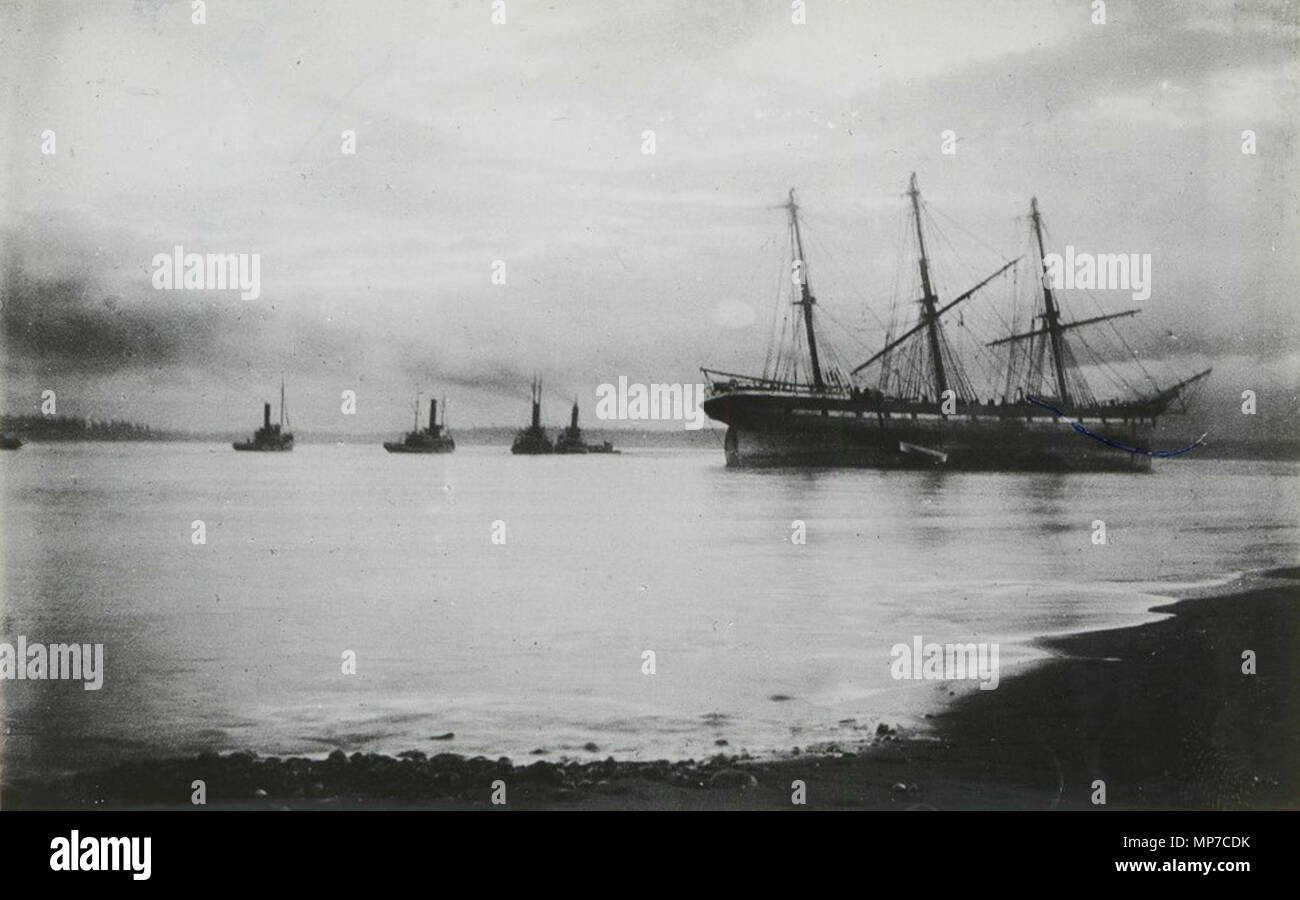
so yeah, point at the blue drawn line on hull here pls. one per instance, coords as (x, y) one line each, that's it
(1078, 426)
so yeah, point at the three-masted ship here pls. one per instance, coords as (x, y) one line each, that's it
(923, 410)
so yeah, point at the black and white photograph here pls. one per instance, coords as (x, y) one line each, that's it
(536, 405)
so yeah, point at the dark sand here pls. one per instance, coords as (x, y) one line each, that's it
(1161, 712)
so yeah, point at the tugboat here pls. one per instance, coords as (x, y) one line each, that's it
(532, 441)
(570, 440)
(433, 440)
(270, 438)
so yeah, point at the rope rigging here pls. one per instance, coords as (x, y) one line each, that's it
(983, 351)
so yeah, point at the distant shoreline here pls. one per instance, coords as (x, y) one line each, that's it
(1160, 712)
(631, 439)
(77, 431)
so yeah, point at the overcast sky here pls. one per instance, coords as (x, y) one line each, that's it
(523, 142)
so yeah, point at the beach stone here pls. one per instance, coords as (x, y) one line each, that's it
(591, 747)
(545, 772)
(337, 758)
(720, 742)
(417, 755)
(733, 778)
(259, 793)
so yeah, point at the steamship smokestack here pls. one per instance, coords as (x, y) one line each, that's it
(574, 421)
(537, 404)
(433, 415)
(266, 416)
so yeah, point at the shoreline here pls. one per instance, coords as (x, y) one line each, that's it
(1160, 711)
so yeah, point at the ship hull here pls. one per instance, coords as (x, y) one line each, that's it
(570, 445)
(259, 447)
(767, 430)
(440, 446)
(532, 441)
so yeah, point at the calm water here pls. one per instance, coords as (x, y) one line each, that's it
(538, 643)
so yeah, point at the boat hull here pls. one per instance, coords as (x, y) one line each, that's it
(532, 442)
(441, 446)
(263, 447)
(769, 430)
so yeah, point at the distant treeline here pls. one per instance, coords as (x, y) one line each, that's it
(72, 428)
(66, 428)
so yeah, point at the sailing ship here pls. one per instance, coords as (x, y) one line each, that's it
(533, 441)
(270, 438)
(923, 410)
(434, 439)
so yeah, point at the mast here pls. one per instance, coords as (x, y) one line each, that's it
(929, 300)
(1052, 314)
(806, 299)
(281, 401)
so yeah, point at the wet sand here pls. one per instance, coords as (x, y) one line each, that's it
(1161, 712)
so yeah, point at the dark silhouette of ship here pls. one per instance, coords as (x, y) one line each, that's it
(571, 440)
(434, 439)
(10, 442)
(923, 410)
(270, 438)
(532, 441)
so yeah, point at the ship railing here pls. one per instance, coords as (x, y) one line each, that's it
(731, 382)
